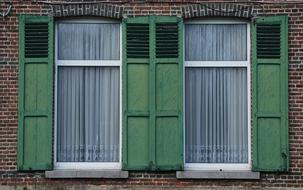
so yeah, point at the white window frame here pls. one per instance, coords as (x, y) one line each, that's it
(116, 63)
(243, 64)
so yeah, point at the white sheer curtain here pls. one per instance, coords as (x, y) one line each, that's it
(88, 41)
(88, 114)
(88, 111)
(215, 42)
(216, 129)
(216, 115)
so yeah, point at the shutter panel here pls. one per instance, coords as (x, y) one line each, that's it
(270, 94)
(135, 71)
(152, 93)
(35, 93)
(168, 93)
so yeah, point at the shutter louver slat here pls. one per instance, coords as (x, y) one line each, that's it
(167, 40)
(137, 40)
(36, 40)
(268, 41)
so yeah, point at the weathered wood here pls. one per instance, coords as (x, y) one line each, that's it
(152, 120)
(270, 100)
(35, 102)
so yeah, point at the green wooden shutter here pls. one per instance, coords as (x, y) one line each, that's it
(152, 93)
(270, 94)
(35, 93)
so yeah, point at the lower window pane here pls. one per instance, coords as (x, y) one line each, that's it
(216, 115)
(88, 114)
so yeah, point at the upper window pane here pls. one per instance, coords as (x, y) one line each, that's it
(78, 41)
(216, 42)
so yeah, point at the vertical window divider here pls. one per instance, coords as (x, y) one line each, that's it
(55, 97)
(249, 98)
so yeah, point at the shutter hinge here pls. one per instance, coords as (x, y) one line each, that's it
(152, 166)
(285, 164)
(284, 155)
(124, 18)
(253, 20)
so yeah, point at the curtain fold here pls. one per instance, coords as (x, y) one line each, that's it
(79, 41)
(88, 97)
(216, 123)
(216, 115)
(88, 114)
(215, 42)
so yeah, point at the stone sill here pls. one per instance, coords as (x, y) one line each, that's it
(86, 174)
(217, 175)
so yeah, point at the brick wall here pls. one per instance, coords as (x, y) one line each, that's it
(118, 9)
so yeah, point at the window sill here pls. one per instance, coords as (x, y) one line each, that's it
(86, 174)
(217, 175)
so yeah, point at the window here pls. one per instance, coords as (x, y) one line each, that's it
(217, 95)
(88, 95)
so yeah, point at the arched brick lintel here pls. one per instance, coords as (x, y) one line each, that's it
(94, 9)
(217, 9)
(118, 11)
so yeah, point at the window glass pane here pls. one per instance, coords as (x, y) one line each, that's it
(216, 115)
(215, 42)
(88, 114)
(77, 41)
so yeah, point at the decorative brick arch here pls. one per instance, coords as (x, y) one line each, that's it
(187, 11)
(217, 9)
(89, 9)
